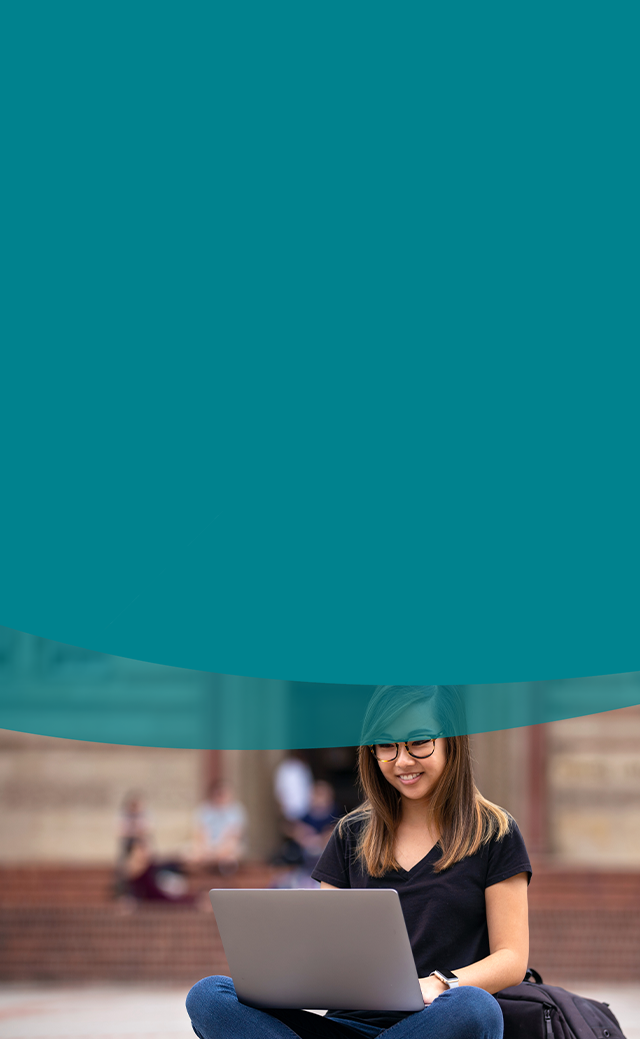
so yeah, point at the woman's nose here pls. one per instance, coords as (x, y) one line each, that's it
(404, 756)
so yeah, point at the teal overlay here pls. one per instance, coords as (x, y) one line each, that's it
(320, 349)
(59, 690)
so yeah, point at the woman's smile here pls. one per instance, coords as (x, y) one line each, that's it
(414, 783)
(410, 777)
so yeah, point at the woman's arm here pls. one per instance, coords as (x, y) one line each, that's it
(508, 925)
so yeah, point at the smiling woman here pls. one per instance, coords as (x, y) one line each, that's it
(439, 801)
(457, 861)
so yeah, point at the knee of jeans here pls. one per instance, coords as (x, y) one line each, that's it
(481, 1010)
(206, 993)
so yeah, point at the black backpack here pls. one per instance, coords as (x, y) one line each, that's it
(533, 1010)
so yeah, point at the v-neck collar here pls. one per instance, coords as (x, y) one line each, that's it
(408, 872)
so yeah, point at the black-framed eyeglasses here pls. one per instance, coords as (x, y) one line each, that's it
(422, 748)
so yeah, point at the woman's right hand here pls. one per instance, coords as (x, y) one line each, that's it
(431, 988)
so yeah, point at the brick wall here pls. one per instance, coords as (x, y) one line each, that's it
(89, 944)
(62, 926)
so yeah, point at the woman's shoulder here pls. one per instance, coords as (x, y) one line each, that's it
(506, 853)
(508, 830)
(338, 861)
(347, 830)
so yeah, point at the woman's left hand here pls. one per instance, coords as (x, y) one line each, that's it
(431, 988)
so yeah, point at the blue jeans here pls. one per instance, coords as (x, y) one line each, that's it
(462, 1013)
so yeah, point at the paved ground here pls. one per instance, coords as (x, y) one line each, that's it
(30, 1012)
(145, 1012)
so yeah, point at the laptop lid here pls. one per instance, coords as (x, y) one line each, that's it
(346, 949)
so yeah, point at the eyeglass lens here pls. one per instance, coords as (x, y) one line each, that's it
(416, 748)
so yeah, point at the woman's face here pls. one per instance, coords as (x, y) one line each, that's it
(415, 778)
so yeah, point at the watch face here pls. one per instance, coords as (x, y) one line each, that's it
(448, 975)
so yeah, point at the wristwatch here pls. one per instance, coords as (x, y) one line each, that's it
(447, 976)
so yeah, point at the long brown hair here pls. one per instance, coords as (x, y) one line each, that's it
(462, 817)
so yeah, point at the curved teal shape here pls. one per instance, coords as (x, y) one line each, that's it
(60, 690)
(320, 335)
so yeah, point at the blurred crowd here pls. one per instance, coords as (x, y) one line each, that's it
(307, 814)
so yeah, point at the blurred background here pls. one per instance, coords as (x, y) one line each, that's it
(107, 851)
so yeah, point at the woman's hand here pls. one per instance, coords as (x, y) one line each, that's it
(431, 988)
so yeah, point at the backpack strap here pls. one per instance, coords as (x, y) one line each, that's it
(533, 976)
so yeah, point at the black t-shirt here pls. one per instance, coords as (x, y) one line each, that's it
(444, 912)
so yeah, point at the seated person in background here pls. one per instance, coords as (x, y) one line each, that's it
(133, 820)
(149, 881)
(313, 830)
(221, 822)
(133, 823)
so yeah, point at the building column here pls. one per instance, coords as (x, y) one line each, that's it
(211, 768)
(538, 825)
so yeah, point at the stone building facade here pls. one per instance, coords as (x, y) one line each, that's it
(573, 786)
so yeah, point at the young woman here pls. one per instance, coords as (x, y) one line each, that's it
(457, 861)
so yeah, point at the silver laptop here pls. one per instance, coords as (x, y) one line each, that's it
(346, 949)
